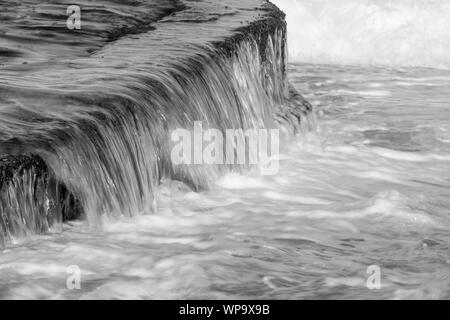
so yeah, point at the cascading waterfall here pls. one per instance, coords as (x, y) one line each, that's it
(32, 201)
(113, 157)
(27, 206)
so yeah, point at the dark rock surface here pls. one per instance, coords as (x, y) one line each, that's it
(11, 165)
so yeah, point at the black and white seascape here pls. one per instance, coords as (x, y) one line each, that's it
(233, 149)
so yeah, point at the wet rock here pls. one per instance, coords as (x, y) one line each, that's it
(11, 165)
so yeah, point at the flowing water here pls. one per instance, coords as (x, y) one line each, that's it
(102, 119)
(369, 32)
(366, 186)
(369, 186)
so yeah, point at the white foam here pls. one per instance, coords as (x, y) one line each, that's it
(410, 156)
(370, 93)
(295, 198)
(374, 32)
(384, 205)
(237, 181)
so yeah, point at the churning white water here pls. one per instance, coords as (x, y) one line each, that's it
(368, 187)
(387, 32)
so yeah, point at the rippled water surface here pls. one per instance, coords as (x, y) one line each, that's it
(368, 187)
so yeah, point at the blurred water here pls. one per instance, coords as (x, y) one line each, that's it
(101, 115)
(369, 186)
(369, 32)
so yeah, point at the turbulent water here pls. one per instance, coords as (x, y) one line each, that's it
(365, 186)
(388, 32)
(369, 186)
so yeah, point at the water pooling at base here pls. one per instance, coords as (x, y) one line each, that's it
(368, 187)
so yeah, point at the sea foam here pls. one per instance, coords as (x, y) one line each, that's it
(369, 32)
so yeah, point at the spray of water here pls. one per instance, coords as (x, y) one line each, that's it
(369, 32)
